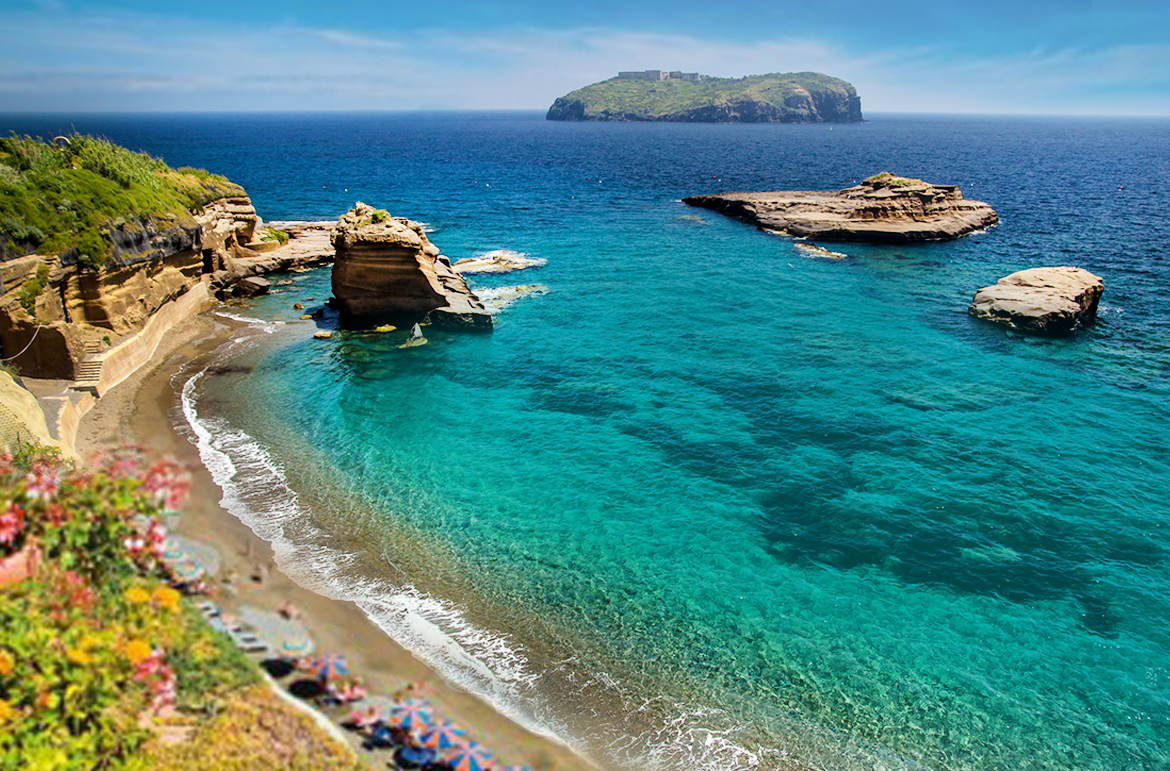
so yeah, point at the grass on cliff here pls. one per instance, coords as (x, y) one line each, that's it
(887, 179)
(649, 99)
(56, 197)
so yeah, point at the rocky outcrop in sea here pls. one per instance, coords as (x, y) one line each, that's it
(1043, 301)
(883, 208)
(387, 267)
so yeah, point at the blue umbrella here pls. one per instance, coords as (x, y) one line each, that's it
(444, 736)
(471, 757)
(413, 714)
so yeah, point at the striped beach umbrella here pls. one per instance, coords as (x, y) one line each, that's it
(330, 668)
(413, 715)
(444, 736)
(471, 757)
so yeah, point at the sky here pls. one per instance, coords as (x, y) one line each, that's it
(1074, 57)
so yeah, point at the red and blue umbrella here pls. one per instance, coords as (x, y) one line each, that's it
(471, 757)
(413, 715)
(329, 668)
(445, 736)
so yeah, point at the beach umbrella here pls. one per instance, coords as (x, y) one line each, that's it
(185, 571)
(288, 637)
(471, 757)
(330, 667)
(178, 549)
(445, 736)
(413, 714)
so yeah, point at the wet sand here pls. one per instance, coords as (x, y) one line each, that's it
(141, 409)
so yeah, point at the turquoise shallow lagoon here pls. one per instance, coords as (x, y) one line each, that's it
(710, 502)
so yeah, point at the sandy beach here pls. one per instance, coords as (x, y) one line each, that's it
(140, 410)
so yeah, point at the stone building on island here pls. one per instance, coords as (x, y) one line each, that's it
(657, 75)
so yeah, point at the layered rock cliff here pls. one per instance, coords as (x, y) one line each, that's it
(387, 267)
(883, 208)
(57, 312)
(800, 97)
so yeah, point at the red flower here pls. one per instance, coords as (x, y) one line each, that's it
(11, 523)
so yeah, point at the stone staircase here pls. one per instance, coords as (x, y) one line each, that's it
(89, 371)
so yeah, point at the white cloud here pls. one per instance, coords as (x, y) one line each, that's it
(131, 62)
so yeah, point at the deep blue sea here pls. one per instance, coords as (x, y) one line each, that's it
(709, 502)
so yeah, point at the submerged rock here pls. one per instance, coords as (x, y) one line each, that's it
(883, 208)
(323, 335)
(1044, 301)
(386, 267)
(496, 261)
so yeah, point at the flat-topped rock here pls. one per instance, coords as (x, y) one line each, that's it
(883, 208)
(386, 267)
(1044, 301)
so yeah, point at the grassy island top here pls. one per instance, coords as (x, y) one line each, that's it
(654, 99)
(69, 194)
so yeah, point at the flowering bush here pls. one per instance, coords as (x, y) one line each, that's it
(94, 644)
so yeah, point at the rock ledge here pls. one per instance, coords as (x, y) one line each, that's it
(883, 208)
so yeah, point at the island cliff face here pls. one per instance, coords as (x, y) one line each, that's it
(883, 208)
(387, 267)
(801, 97)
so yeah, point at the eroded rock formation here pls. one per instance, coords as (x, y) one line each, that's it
(387, 267)
(54, 312)
(1044, 301)
(883, 208)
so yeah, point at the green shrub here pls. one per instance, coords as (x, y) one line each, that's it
(379, 216)
(70, 195)
(31, 289)
(272, 234)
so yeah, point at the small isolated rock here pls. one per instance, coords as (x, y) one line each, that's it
(307, 316)
(1043, 301)
(286, 282)
(252, 286)
(416, 338)
(298, 306)
(386, 328)
(323, 335)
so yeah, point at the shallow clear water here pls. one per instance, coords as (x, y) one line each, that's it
(710, 502)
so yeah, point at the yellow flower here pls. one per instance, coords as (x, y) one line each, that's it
(7, 664)
(137, 595)
(137, 651)
(167, 598)
(79, 656)
(7, 712)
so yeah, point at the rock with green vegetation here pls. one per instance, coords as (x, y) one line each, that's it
(883, 208)
(793, 97)
(89, 200)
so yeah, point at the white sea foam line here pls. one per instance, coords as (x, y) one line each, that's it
(267, 326)
(435, 631)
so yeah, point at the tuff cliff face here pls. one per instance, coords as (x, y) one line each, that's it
(883, 208)
(387, 267)
(805, 97)
(56, 313)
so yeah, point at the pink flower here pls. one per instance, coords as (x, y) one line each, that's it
(11, 523)
(42, 481)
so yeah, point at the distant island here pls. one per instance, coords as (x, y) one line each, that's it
(688, 97)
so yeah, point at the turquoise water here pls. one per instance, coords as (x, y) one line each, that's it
(709, 502)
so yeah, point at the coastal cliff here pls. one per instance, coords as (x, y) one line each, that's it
(387, 267)
(95, 240)
(883, 208)
(800, 97)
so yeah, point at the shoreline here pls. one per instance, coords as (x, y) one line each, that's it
(141, 409)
